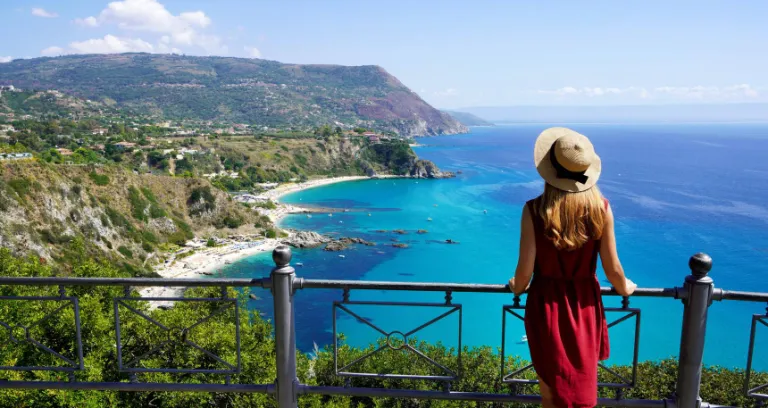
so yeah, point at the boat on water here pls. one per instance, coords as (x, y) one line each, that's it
(330, 215)
(342, 256)
(485, 211)
(369, 214)
(299, 264)
(429, 219)
(524, 339)
(309, 216)
(346, 210)
(450, 241)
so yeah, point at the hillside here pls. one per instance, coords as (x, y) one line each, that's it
(468, 119)
(50, 104)
(114, 213)
(238, 90)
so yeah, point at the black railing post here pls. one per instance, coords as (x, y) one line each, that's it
(285, 335)
(698, 289)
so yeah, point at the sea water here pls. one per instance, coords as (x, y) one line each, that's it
(675, 189)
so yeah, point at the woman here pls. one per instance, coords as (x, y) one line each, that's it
(562, 232)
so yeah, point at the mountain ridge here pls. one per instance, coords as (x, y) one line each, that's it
(260, 92)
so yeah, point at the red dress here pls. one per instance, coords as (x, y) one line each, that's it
(565, 319)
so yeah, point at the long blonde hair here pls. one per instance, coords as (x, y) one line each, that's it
(571, 219)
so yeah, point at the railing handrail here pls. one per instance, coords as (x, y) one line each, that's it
(303, 283)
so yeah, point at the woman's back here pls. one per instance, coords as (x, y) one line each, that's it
(564, 318)
(562, 232)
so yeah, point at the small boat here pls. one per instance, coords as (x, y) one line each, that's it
(429, 219)
(369, 214)
(485, 211)
(524, 339)
(342, 256)
(330, 215)
(434, 205)
(309, 216)
(341, 222)
(299, 264)
(346, 210)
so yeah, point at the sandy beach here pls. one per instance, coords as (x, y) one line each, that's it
(209, 261)
(204, 262)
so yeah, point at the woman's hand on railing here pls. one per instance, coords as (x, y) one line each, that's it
(629, 288)
(512, 285)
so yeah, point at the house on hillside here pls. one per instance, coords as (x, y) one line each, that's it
(369, 134)
(373, 139)
(15, 156)
(100, 131)
(64, 152)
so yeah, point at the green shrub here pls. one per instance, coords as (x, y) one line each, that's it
(271, 233)
(210, 243)
(21, 186)
(148, 236)
(156, 212)
(269, 204)
(125, 251)
(147, 247)
(229, 222)
(149, 195)
(138, 204)
(99, 179)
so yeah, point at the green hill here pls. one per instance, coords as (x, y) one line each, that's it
(237, 90)
(468, 119)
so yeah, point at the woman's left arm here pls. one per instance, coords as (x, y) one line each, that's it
(527, 257)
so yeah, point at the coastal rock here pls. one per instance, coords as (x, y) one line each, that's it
(400, 245)
(343, 243)
(422, 231)
(427, 169)
(399, 231)
(306, 239)
(335, 246)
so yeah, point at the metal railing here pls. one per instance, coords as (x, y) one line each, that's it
(697, 294)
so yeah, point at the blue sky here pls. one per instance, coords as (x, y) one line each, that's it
(454, 53)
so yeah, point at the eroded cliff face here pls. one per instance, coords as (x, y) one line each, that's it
(44, 209)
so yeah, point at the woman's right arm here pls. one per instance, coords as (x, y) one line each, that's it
(610, 259)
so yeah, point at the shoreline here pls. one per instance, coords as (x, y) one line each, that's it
(209, 261)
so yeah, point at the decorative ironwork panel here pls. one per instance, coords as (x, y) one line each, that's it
(759, 391)
(23, 334)
(397, 340)
(623, 382)
(175, 335)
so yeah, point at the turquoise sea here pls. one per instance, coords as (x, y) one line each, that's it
(676, 189)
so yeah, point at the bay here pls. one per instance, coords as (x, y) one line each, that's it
(676, 189)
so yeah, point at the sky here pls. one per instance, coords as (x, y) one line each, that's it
(453, 53)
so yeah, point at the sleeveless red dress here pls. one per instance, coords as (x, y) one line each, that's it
(565, 319)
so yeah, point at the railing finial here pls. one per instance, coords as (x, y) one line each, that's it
(282, 256)
(700, 265)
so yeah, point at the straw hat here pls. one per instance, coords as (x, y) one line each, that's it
(566, 160)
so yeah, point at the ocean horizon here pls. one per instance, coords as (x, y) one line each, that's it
(676, 189)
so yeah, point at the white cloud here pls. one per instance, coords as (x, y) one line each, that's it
(698, 92)
(52, 51)
(447, 92)
(41, 12)
(87, 22)
(5, 59)
(151, 16)
(109, 44)
(252, 52)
